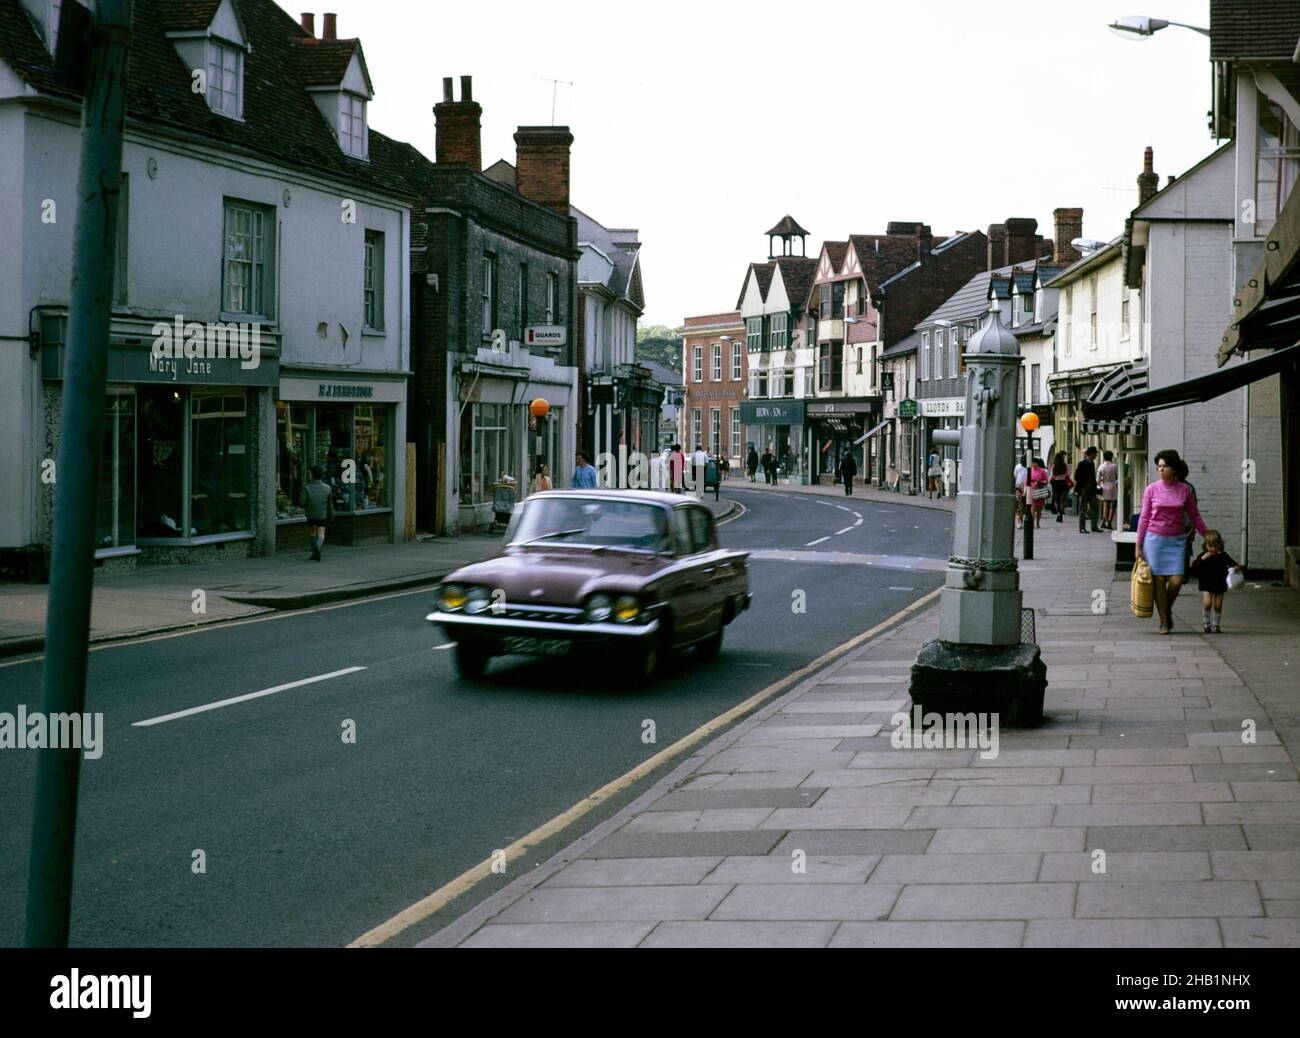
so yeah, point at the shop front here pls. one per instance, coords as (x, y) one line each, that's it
(947, 413)
(836, 426)
(181, 473)
(778, 425)
(346, 425)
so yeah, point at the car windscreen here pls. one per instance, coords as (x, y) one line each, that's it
(572, 520)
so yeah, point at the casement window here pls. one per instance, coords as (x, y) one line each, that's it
(697, 364)
(824, 302)
(373, 280)
(808, 380)
(775, 381)
(717, 362)
(735, 362)
(248, 261)
(754, 334)
(1124, 313)
(954, 353)
(352, 125)
(715, 430)
(1092, 318)
(489, 294)
(225, 79)
(837, 300)
(735, 432)
(787, 388)
(695, 427)
(1020, 384)
(1035, 374)
(830, 366)
(552, 298)
(925, 356)
(776, 337)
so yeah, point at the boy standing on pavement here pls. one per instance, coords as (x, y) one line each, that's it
(318, 498)
(1085, 486)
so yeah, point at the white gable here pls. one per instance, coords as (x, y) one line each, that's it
(1207, 192)
(355, 79)
(751, 303)
(778, 300)
(225, 23)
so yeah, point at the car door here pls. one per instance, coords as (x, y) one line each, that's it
(718, 569)
(686, 587)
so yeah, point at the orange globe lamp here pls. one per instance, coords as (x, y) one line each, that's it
(539, 408)
(1029, 421)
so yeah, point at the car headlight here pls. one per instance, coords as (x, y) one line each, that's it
(453, 597)
(477, 600)
(626, 608)
(598, 608)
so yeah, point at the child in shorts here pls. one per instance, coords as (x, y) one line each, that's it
(1211, 569)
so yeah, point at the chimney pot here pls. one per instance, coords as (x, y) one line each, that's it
(467, 88)
(458, 128)
(309, 23)
(447, 93)
(1148, 180)
(1022, 240)
(329, 26)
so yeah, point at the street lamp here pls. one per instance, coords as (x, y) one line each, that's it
(1142, 26)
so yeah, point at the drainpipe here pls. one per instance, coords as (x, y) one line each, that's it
(1245, 487)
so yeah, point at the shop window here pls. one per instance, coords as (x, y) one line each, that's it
(219, 462)
(487, 446)
(115, 501)
(293, 446)
(334, 452)
(160, 463)
(372, 457)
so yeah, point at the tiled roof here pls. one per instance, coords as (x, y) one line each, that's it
(972, 299)
(281, 122)
(907, 344)
(797, 273)
(763, 272)
(884, 255)
(835, 251)
(325, 62)
(1000, 286)
(1023, 280)
(787, 226)
(1253, 29)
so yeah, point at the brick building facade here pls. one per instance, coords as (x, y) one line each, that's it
(715, 370)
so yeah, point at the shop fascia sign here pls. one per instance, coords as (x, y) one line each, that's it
(949, 408)
(545, 335)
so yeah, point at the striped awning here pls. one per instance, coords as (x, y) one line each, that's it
(1124, 380)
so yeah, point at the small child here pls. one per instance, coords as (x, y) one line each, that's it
(1211, 568)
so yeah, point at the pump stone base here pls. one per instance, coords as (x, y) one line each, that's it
(1007, 680)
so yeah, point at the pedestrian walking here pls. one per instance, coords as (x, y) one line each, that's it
(1039, 490)
(1061, 484)
(676, 467)
(769, 466)
(724, 466)
(1021, 476)
(1108, 477)
(1212, 567)
(584, 475)
(848, 469)
(933, 472)
(751, 464)
(318, 499)
(1085, 486)
(1161, 540)
(541, 479)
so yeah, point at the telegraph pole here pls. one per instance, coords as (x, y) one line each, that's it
(67, 626)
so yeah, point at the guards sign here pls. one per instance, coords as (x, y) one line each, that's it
(544, 335)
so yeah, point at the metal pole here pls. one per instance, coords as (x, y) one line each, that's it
(1027, 507)
(49, 890)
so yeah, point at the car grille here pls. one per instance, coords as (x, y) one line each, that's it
(549, 614)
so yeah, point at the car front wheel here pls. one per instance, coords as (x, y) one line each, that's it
(712, 645)
(471, 660)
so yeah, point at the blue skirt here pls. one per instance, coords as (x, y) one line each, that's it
(1165, 555)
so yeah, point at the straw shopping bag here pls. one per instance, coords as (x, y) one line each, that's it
(1140, 590)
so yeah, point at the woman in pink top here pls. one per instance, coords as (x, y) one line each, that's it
(1162, 532)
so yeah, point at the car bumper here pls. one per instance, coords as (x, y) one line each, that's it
(485, 627)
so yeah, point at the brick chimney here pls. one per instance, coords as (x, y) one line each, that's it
(458, 126)
(1069, 225)
(1023, 241)
(329, 26)
(309, 23)
(542, 165)
(1148, 182)
(997, 245)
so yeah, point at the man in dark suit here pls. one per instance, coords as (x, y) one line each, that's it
(1085, 486)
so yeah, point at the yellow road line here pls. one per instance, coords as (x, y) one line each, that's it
(466, 881)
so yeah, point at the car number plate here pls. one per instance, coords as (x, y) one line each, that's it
(535, 646)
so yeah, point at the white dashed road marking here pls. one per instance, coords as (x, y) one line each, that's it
(819, 540)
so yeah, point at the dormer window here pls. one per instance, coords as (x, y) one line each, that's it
(225, 79)
(352, 125)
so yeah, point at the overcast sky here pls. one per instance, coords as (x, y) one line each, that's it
(702, 123)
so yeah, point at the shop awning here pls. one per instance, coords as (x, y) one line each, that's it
(1268, 306)
(1125, 382)
(1193, 390)
(865, 438)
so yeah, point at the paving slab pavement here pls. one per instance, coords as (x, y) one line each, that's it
(1157, 806)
